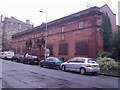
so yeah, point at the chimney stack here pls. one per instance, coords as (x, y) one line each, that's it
(28, 21)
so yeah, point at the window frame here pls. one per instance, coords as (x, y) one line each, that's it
(81, 24)
(63, 28)
(62, 50)
(83, 48)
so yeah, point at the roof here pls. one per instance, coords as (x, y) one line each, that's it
(108, 8)
(12, 19)
(74, 16)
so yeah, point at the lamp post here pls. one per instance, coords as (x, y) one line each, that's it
(45, 35)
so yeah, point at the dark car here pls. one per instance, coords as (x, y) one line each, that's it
(18, 58)
(31, 60)
(51, 62)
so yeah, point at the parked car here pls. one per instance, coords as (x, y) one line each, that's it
(1, 55)
(18, 58)
(51, 62)
(7, 55)
(82, 65)
(31, 60)
(40, 58)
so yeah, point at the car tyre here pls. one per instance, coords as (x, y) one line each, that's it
(51, 66)
(41, 65)
(63, 68)
(82, 71)
(29, 62)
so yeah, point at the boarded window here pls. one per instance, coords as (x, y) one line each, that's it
(81, 48)
(50, 47)
(18, 50)
(63, 49)
(23, 49)
(14, 49)
(35, 41)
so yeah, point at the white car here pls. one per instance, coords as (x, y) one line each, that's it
(82, 65)
(8, 54)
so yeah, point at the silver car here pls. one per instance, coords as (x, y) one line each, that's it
(82, 65)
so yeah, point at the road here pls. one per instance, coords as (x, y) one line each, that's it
(18, 75)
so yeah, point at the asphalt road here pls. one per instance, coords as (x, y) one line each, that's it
(18, 75)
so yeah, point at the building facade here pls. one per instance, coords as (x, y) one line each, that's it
(8, 27)
(78, 34)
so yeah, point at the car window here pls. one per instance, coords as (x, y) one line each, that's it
(34, 56)
(56, 59)
(20, 55)
(49, 59)
(79, 60)
(91, 61)
(72, 60)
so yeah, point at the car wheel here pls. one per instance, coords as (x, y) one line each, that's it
(29, 62)
(51, 66)
(41, 65)
(63, 68)
(82, 71)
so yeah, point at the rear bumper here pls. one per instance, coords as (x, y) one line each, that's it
(92, 70)
(33, 61)
(56, 66)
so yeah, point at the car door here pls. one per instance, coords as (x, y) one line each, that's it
(47, 61)
(79, 63)
(70, 64)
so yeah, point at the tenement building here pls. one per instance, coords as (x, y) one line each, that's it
(8, 27)
(78, 34)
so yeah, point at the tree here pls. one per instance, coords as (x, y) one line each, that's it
(115, 52)
(106, 31)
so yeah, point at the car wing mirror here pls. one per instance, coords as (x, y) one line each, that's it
(68, 61)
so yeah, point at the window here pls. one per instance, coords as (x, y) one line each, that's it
(81, 24)
(49, 59)
(63, 49)
(63, 28)
(20, 26)
(91, 61)
(18, 50)
(72, 60)
(49, 32)
(23, 49)
(81, 48)
(79, 60)
(35, 41)
(50, 47)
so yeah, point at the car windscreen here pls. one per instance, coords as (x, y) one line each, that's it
(91, 61)
(34, 56)
(56, 59)
(19, 55)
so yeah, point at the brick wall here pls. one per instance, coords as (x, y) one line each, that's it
(12, 26)
(89, 33)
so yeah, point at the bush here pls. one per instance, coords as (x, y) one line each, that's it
(107, 63)
(103, 54)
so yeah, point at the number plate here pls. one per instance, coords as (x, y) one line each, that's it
(59, 63)
(95, 66)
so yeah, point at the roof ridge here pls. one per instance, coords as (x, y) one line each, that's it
(108, 7)
(12, 19)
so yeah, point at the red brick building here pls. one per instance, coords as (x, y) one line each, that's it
(78, 34)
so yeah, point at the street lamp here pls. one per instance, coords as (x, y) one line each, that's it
(45, 36)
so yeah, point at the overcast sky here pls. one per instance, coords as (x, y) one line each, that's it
(55, 9)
